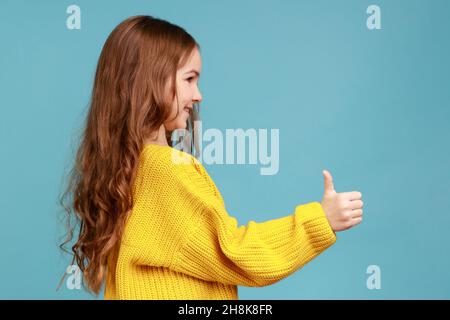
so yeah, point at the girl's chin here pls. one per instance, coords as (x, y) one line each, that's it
(182, 125)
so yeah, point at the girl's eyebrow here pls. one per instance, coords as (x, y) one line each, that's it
(194, 71)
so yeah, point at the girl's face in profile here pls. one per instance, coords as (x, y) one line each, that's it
(188, 92)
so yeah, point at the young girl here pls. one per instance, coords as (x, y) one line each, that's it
(153, 227)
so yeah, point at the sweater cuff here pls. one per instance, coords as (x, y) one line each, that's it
(316, 225)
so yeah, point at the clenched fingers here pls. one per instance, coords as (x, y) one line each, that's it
(356, 221)
(356, 204)
(357, 213)
(353, 195)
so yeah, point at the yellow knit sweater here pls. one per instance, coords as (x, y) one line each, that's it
(179, 241)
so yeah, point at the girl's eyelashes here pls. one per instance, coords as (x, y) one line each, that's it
(192, 78)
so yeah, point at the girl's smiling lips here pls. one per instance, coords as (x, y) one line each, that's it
(187, 109)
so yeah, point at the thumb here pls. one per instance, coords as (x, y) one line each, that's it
(328, 182)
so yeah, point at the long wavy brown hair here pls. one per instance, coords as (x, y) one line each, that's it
(129, 102)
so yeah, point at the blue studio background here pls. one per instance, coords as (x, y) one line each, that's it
(371, 106)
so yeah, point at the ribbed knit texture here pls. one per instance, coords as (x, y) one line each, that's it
(180, 242)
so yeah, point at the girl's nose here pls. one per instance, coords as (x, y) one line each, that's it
(197, 95)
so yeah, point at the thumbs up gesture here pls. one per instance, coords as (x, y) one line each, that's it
(344, 209)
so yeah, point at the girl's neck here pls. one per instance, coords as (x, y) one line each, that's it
(160, 137)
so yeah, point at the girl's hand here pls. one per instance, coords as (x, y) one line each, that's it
(343, 210)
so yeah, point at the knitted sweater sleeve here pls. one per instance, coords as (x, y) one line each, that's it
(197, 236)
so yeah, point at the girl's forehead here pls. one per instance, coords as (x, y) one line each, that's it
(194, 63)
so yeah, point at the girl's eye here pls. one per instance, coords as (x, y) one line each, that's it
(190, 79)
